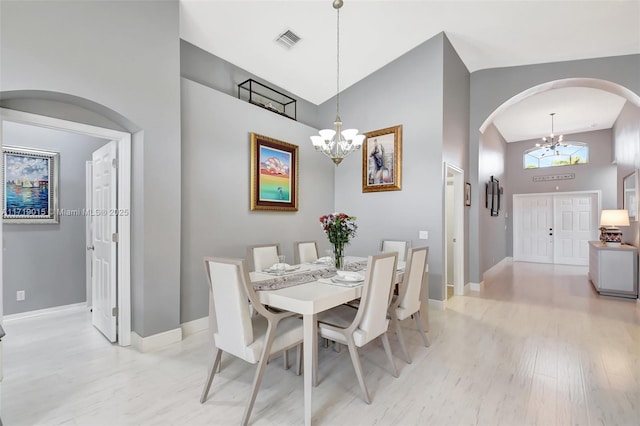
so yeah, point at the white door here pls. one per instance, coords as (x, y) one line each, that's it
(533, 229)
(575, 225)
(89, 231)
(104, 248)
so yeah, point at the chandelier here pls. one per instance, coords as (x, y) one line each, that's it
(551, 142)
(337, 143)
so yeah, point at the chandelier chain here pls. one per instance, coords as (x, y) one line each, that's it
(338, 64)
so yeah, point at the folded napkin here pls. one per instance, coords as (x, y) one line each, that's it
(325, 259)
(333, 281)
(350, 276)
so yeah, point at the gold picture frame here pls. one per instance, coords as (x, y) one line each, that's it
(274, 174)
(382, 160)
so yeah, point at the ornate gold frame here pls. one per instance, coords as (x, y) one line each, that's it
(391, 179)
(259, 187)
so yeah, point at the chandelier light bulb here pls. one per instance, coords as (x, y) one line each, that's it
(337, 144)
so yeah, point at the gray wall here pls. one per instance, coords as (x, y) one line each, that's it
(407, 92)
(598, 174)
(209, 70)
(216, 219)
(492, 229)
(120, 60)
(455, 134)
(47, 261)
(491, 88)
(626, 135)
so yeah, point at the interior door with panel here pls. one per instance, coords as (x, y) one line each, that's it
(533, 228)
(575, 218)
(104, 203)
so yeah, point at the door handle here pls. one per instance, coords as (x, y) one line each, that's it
(89, 248)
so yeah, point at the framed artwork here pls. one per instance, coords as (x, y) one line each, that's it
(274, 174)
(467, 194)
(493, 192)
(630, 198)
(382, 160)
(30, 181)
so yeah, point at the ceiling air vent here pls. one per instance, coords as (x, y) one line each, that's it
(288, 39)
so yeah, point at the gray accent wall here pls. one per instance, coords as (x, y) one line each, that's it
(47, 261)
(597, 175)
(202, 67)
(407, 92)
(492, 87)
(626, 136)
(216, 219)
(120, 60)
(491, 229)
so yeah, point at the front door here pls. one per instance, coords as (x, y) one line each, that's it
(533, 229)
(104, 206)
(575, 225)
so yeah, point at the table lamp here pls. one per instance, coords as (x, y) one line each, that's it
(610, 234)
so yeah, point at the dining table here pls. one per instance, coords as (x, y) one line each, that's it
(308, 299)
(307, 289)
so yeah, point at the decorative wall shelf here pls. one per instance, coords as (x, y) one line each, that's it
(267, 98)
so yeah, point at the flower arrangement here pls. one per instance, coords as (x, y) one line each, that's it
(340, 228)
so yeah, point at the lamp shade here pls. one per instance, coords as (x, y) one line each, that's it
(614, 218)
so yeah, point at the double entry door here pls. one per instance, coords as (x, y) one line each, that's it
(555, 228)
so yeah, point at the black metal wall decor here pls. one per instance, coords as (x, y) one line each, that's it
(492, 192)
(267, 98)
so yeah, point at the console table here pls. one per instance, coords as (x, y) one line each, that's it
(613, 271)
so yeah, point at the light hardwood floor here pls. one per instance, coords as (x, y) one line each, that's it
(536, 346)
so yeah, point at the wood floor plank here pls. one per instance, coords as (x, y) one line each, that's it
(536, 346)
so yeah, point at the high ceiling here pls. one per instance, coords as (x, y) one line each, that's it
(486, 34)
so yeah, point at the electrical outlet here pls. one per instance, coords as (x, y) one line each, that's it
(423, 235)
(20, 295)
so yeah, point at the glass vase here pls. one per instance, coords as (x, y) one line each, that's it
(338, 256)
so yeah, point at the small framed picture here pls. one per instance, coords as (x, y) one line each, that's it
(274, 174)
(467, 194)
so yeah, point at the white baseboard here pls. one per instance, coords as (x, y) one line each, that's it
(195, 326)
(47, 311)
(476, 286)
(438, 305)
(156, 341)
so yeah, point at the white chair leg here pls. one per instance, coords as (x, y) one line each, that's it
(264, 358)
(212, 372)
(299, 360)
(387, 349)
(425, 339)
(285, 357)
(400, 335)
(355, 359)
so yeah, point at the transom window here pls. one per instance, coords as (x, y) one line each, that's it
(567, 154)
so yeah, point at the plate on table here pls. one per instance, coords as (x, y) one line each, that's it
(348, 277)
(278, 267)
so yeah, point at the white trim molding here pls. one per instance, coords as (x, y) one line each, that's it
(438, 305)
(48, 311)
(195, 326)
(476, 286)
(155, 341)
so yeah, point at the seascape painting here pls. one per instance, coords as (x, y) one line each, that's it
(29, 186)
(274, 174)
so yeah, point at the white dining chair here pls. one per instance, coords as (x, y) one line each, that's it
(263, 256)
(305, 252)
(355, 327)
(398, 246)
(407, 302)
(252, 338)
